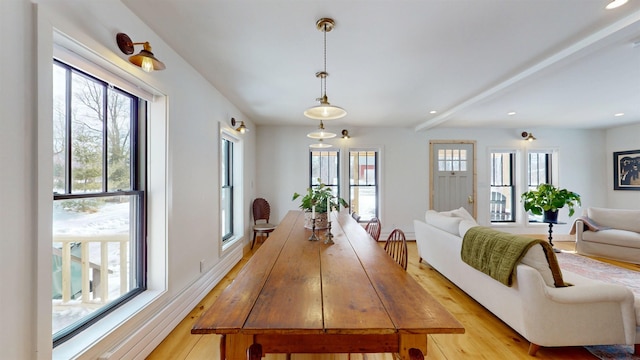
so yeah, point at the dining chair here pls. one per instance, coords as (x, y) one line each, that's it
(396, 247)
(261, 214)
(373, 228)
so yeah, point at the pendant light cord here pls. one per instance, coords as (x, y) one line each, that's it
(324, 78)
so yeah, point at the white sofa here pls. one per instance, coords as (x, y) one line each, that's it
(609, 233)
(590, 312)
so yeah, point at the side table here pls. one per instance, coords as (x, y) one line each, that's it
(551, 232)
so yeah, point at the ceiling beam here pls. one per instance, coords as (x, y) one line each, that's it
(563, 54)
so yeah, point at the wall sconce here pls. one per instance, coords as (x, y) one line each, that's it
(241, 129)
(145, 59)
(528, 136)
(345, 134)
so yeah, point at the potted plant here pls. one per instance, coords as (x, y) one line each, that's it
(316, 200)
(547, 199)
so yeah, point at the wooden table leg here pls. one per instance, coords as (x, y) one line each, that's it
(223, 347)
(413, 347)
(254, 352)
(237, 346)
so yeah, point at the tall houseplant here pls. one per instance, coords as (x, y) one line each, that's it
(319, 196)
(546, 199)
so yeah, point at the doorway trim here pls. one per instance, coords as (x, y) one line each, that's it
(474, 170)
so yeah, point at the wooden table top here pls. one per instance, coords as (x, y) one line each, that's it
(295, 286)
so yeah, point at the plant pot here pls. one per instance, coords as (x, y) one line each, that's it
(321, 220)
(550, 216)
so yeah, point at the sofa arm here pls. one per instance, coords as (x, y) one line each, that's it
(592, 293)
(579, 224)
(581, 311)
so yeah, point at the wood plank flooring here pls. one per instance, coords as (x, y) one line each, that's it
(486, 336)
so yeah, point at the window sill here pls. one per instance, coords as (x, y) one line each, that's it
(85, 342)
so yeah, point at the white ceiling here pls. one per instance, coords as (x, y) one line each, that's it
(557, 63)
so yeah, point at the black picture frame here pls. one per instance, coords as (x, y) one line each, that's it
(626, 170)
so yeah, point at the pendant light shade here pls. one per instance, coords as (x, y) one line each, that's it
(324, 111)
(319, 145)
(321, 133)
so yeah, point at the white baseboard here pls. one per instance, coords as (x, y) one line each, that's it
(148, 336)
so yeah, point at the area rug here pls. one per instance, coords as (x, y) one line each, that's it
(613, 352)
(594, 269)
(599, 270)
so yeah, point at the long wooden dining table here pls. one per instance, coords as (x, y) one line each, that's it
(300, 296)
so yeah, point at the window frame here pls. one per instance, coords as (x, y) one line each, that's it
(237, 210)
(551, 176)
(512, 179)
(313, 180)
(137, 186)
(376, 185)
(226, 185)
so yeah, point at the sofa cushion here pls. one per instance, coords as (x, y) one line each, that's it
(616, 237)
(443, 222)
(616, 218)
(460, 212)
(465, 225)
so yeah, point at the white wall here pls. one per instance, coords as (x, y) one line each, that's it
(17, 161)
(283, 166)
(621, 139)
(187, 165)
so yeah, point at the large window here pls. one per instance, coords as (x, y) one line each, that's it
(325, 167)
(502, 186)
(363, 183)
(226, 188)
(539, 171)
(98, 247)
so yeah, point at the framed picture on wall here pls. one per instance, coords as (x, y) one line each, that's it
(626, 174)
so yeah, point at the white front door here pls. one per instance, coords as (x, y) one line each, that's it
(452, 175)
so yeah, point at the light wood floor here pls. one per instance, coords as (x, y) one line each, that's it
(486, 336)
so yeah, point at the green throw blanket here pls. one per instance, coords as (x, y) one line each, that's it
(497, 253)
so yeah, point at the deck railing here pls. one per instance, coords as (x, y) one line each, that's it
(95, 286)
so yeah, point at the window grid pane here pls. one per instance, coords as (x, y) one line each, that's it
(87, 134)
(363, 184)
(119, 108)
(226, 191)
(538, 172)
(325, 165)
(502, 187)
(59, 129)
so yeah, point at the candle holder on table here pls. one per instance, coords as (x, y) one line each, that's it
(313, 236)
(328, 236)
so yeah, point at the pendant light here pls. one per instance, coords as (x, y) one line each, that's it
(320, 145)
(321, 133)
(324, 111)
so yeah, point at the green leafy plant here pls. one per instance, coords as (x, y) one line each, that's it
(549, 198)
(318, 196)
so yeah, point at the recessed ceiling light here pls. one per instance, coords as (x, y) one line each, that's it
(618, 114)
(615, 3)
(511, 113)
(433, 112)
